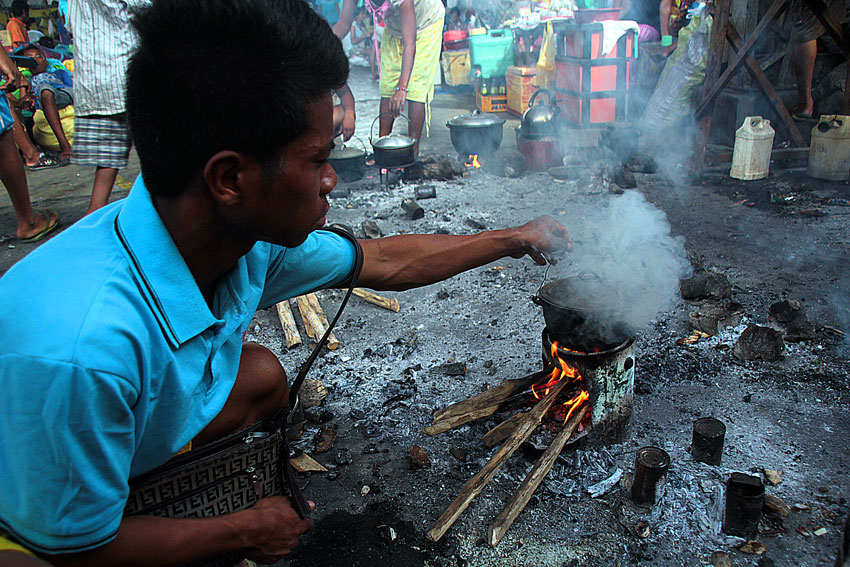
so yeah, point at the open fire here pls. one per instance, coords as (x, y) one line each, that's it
(563, 371)
(472, 161)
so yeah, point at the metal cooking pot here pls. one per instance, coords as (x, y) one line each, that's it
(349, 163)
(581, 314)
(540, 120)
(476, 133)
(392, 150)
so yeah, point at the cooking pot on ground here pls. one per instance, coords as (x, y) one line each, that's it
(476, 133)
(540, 120)
(581, 313)
(349, 163)
(392, 150)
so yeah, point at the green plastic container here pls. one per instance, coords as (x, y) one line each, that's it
(491, 53)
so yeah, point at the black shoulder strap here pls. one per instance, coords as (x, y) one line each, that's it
(305, 368)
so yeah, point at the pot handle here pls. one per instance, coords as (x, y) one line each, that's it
(362, 143)
(537, 92)
(372, 127)
(536, 297)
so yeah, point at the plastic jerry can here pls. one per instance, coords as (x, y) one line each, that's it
(829, 153)
(753, 145)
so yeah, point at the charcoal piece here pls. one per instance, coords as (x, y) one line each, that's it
(641, 163)
(370, 449)
(343, 457)
(371, 229)
(785, 311)
(413, 210)
(706, 285)
(451, 369)
(419, 457)
(442, 294)
(800, 329)
(715, 317)
(438, 168)
(425, 192)
(357, 414)
(324, 440)
(458, 454)
(760, 343)
(475, 223)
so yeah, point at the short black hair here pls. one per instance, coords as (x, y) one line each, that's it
(19, 8)
(213, 75)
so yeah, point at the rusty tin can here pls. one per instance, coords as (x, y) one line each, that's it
(707, 443)
(651, 467)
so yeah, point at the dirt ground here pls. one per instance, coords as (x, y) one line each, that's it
(784, 237)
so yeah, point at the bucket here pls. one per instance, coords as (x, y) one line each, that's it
(753, 145)
(829, 153)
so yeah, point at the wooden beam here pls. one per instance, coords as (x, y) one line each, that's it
(833, 28)
(532, 480)
(766, 86)
(716, 43)
(476, 484)
(774, 10)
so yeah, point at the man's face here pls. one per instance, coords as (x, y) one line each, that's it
(292, 201)
(40, 61)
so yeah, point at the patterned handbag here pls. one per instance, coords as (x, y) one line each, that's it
(233, 473)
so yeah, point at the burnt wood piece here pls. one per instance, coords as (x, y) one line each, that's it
(375, 299)
(766, 86)
(481, 405)
(775, 9)
(776, 506)
(716, 43)
(715, 317)
(533, 479)
(476, 484)
(314, 319)
(412, 208)
(503, 430)
(758, 342)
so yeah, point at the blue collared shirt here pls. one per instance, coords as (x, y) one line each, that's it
(111, 361)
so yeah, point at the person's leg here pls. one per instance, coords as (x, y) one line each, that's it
(51, 113)
(386, 121)
(416, 112)
(104, 181)
(259, 392)
(22, 140)
(804, 67)
(14, 177)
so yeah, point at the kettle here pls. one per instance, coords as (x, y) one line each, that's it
(540, 120)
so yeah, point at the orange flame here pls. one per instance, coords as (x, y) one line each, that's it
(472, 161)
(561, 372)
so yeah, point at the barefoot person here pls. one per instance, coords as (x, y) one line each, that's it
(131, 347)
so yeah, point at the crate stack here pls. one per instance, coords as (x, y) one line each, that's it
(520, 83)
(491, 52)
(457, 69)
(592, 87)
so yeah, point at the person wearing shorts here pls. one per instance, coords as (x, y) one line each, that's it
(104, 40)
(806, 29)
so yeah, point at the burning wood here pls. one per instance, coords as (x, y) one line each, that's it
(503, 430)
(287, 321)
(538, 472)
(476, 484)
(374, 298)
(472, 161)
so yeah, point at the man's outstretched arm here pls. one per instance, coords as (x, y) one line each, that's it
(402, 262)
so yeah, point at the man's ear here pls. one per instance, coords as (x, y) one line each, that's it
(226, 174)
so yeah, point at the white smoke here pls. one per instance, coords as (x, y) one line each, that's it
(626, 257)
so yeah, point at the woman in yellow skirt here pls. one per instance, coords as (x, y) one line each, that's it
(410, 57)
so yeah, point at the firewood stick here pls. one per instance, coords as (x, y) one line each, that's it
(476, 484)
(533, 479)
(503, 430)
(317, 309)
(481, 405)
(310, 319)
(385, 302)
(313, 317)
(287, 321)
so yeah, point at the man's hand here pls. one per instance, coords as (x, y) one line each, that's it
(543, 239)
(276, 530)
(397, 102)
(348, 122)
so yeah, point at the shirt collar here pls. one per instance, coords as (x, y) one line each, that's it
(177, 300)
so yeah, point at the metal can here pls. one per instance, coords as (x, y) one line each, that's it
(707, 443)
(744, 501)
(651, 467)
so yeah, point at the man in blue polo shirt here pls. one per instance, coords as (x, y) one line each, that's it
(130, 345)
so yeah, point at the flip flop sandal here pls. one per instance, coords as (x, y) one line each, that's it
(797, 115)
(48, 228)
(44, 162)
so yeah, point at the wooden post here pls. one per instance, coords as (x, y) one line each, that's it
(766, 86)
(716, 43)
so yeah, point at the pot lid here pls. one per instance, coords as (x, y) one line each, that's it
(394, 141)
(476, 119)
(345, 153)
